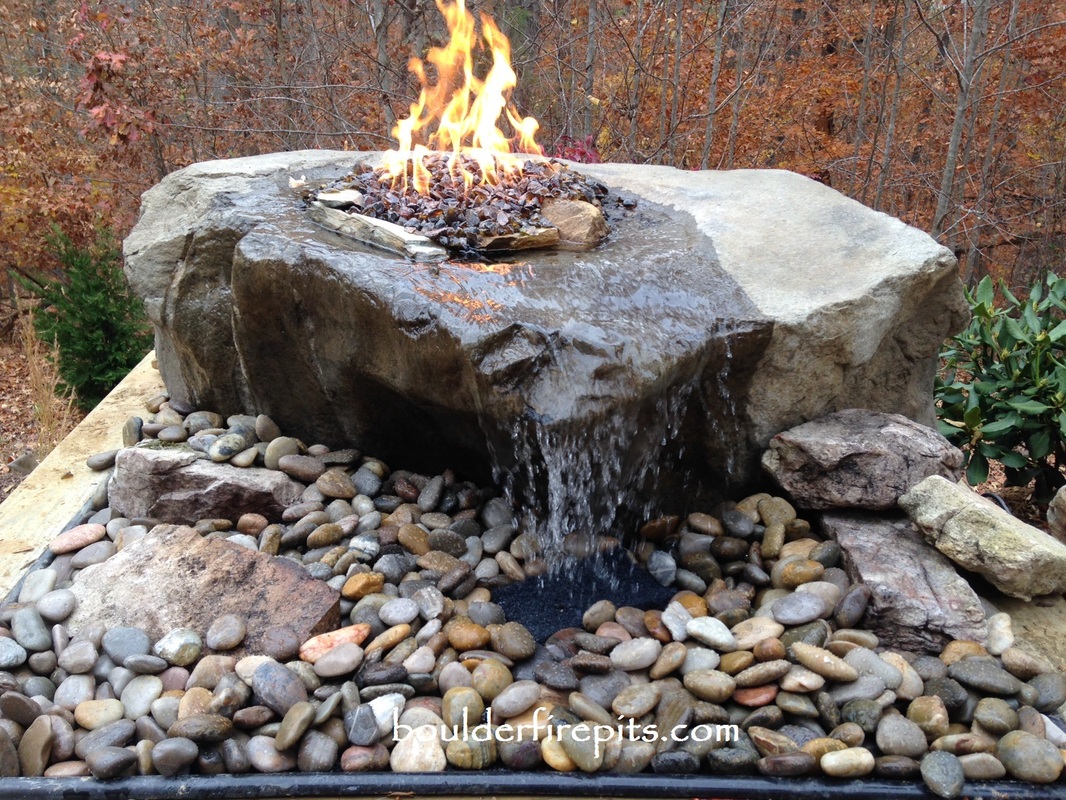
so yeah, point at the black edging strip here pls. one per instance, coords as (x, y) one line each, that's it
(498, 783)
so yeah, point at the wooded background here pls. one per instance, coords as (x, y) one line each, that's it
(948, 114)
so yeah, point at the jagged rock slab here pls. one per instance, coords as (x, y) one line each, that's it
(725, 308)
(975, 533)
(919, 601)
(858, 459)
(180, 485)
(176, 578)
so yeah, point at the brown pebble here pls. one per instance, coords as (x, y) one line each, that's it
(756, 696)
(769, 650)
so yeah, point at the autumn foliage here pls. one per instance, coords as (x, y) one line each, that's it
(949, 114)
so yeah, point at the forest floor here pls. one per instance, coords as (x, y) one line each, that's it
(19, 429)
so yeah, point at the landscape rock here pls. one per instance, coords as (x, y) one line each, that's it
(918, 601)
(1016, 558)
(1056, 515)
(858, 459)
(777, 270)
(176, 578)
(177, 484)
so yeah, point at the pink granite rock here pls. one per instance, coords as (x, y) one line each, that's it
(176, 578)
(77, 537)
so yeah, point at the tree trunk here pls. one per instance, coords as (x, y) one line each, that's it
(712, 92)
(963, 103)
(590, 61)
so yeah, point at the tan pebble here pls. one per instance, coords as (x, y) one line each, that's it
(773, 539)
(246, 667)
(551, 750)
(465, 634)
(800, 679)
(361, 584)
(822, 745)
(776, 511)
(798, 547)
(313, 648)
(532, 724)
(670, 658)
(824, 663)
(854, 762)
(77, 537)
(750, 632)
(849, 733)
(93, 714)
(959, 649)
(194, 702)
(769, 649)
(693, 603)
(389, 638)
(961, 744)
(912, 685)
(1025, 665)
(735, 662)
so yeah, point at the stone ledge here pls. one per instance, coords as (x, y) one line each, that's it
(57, 490)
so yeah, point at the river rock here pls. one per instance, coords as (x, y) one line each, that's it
(1016, 558)
(917, 599)
(775, 266)
(178, 484)
(1030, 758)
(176, 578)
(856, 458)
(419, 751)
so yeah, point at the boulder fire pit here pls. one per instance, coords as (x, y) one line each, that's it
(456, 475)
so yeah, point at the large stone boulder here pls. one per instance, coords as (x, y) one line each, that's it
(175, 578)
(858, 459)
(918, 601)
(1016, 558)
(726, 307)
(175, 483)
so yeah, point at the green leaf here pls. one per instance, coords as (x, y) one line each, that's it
(972, 417)
(1016, 330)
(946, 429)
(985, 291)
(997, 427)
(1028, 406)
(1058, 331)
(1031, 318)
(1040, 444)
(977, 469)
(1013, 459)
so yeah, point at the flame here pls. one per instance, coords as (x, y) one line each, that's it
(466, 109)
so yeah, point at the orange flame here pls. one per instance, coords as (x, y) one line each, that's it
(465, 108)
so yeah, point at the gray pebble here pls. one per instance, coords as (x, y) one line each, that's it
(12, 654)
(79, 657)
(226, 632)
(798, 608)
(123, 641)
(56, 605)
(170, 756)
(943, 774)
(36, 585)
(30, 631)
